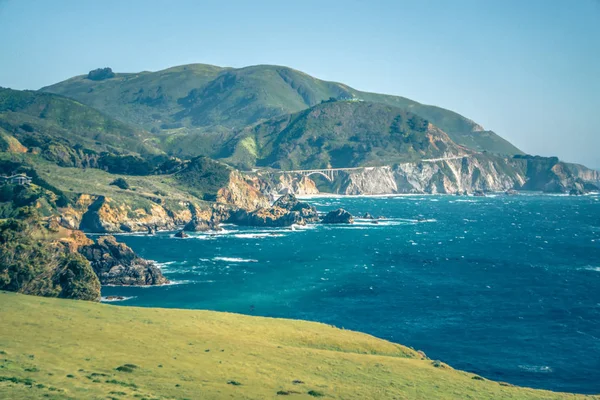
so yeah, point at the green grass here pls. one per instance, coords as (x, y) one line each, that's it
(248, 357)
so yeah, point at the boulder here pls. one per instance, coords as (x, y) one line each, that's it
(116, 264)
(339, 216)
(368, 216)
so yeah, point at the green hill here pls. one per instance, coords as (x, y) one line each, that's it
(37, 119)
(341, 134)
(65, 349)
(201, 98)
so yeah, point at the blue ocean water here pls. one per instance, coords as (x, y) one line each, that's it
(507, 287)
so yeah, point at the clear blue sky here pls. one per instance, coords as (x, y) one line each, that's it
(527, 69)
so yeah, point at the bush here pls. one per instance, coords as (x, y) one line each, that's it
(101, 74)
(121, 183)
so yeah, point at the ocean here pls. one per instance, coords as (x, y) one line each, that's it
(507, 287)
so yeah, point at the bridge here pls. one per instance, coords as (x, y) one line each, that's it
(331, 173)
(328, 173)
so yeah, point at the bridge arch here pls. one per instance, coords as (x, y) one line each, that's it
(326, 174)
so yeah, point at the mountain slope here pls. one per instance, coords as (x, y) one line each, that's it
(200, 98)
(341, 134)
(79, 350)
(40, 120)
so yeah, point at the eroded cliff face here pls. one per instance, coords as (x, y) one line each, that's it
(105, 215)
(474, 173)
(300, 185)
(242, 193)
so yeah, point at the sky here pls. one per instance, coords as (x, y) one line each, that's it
(528, 70)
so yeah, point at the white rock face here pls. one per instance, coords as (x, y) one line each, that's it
(447, 176)
(453, 174)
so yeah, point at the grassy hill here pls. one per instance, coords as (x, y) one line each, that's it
(341, 134)
(36, 119)
(62, 349)
(197, 98)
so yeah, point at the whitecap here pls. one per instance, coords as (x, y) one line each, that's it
(256, 235)
(536, 368)
(591, 268)
(234, 259)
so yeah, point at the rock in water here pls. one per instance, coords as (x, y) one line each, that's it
(576, 192)
(286, 211)
(181, 234)
(197, 225)
(339, 216)
(368, 216)
(116, 264)
(306, 212)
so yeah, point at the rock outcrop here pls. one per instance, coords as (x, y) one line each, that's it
(339, 216)
(116, 264)
(202, 221)
(286, 211)
(299, 185)
(100, 214)
(242, 194)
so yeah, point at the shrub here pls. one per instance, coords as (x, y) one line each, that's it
(121, 183)
(101, 74)
(126, 368)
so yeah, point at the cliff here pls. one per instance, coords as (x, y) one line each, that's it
(241, 193)
(116, 264)
(103, 214)
(477, 172)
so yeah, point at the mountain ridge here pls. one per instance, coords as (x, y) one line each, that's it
(204, 99)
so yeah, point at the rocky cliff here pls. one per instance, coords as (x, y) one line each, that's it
(473, 173)
(101, 214)
(242, 193)
(116, 264)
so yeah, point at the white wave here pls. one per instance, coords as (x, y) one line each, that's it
(234, 259)
(161, 265)
(591, 268)
(112, 299)
(256, 235)
(536, 368)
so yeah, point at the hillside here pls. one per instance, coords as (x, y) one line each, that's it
(36, 119)
(61, 349)
(341, 134)
(200, 98)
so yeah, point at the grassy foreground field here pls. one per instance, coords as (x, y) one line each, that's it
(62, 349)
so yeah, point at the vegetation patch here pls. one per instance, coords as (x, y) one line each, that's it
(127, 368)
(15, 379)
(120, 183)
(121, 383)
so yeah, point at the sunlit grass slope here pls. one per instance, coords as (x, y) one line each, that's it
(51, 348)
